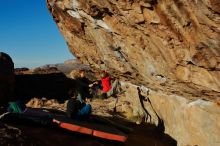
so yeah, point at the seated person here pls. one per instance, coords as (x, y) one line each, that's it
(77, 109)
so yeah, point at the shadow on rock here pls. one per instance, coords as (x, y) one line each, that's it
(51, 86)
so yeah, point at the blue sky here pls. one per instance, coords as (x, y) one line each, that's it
(29, 34)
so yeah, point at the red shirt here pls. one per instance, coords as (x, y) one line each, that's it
(106, 85)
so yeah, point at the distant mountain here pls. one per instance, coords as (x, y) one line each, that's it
(68, 66)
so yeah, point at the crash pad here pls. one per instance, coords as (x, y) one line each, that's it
(90, 127)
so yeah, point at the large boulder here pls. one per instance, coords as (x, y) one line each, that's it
(170, 47)
(140, 40)
(6, 77)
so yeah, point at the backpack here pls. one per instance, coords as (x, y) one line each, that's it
(16, 107)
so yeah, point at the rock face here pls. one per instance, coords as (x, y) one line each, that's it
(190, 122)
(6, 77)
(143, 39)
(170, 47)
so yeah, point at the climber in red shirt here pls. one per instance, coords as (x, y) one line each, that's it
(107, 89)
(106, 82)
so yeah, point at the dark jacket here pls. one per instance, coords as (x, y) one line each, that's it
(73, 107)
(82, 85)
